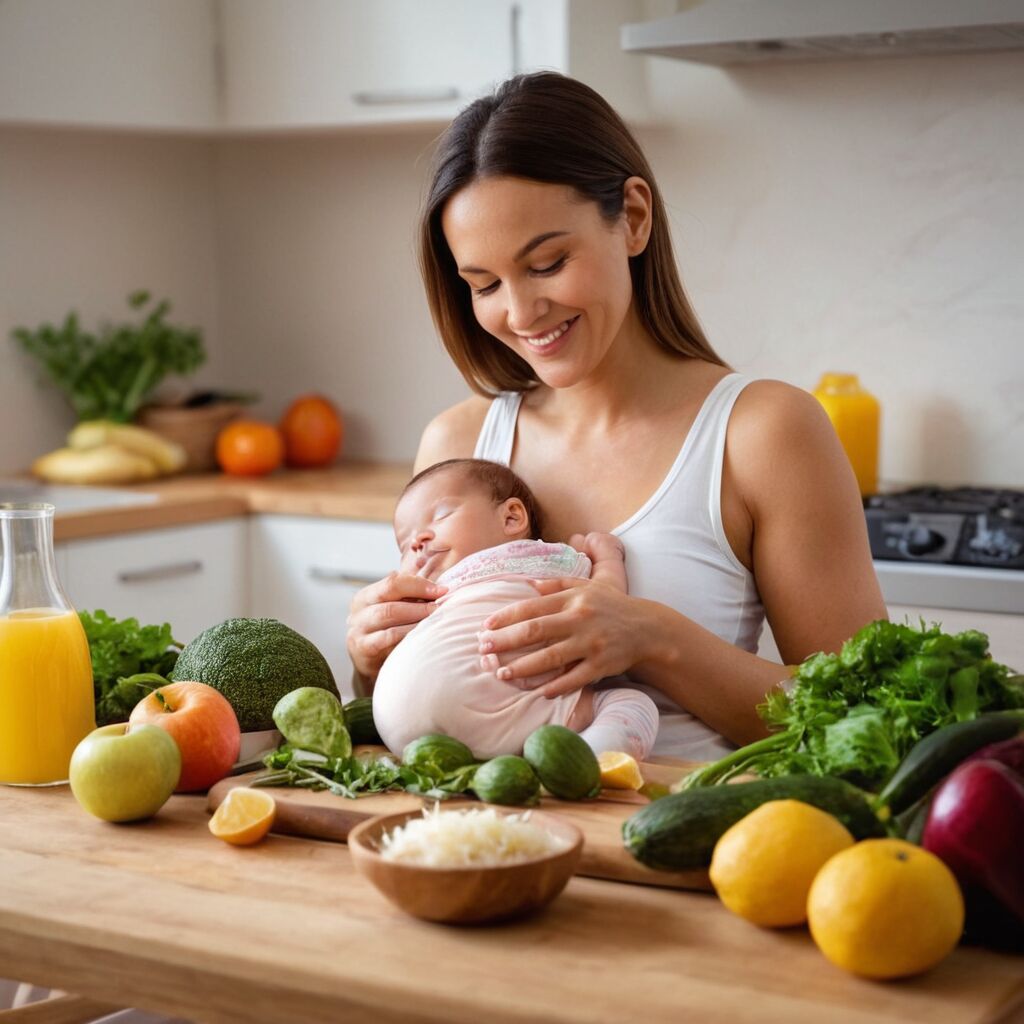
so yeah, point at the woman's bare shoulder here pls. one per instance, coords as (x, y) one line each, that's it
(452, 434)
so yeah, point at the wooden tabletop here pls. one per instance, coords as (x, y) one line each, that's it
(162, 916)
(348, 490)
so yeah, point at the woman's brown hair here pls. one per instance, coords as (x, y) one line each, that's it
(550, 128)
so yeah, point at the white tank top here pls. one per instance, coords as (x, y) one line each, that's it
(676, 550)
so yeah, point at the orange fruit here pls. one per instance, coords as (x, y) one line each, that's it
(244, 817)
(763, 866)
(885, 908)
(249, 448)
(312, 432)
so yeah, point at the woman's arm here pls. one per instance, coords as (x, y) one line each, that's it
(793, 511)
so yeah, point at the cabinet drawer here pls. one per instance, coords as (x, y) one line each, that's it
(191, 577)
(306, 571)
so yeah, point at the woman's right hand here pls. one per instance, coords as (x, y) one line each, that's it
(382, 613)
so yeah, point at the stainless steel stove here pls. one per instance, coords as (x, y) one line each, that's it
(955, 526)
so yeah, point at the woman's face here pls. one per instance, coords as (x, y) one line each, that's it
(549, 276)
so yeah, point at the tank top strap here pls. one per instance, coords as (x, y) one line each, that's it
(498, 433)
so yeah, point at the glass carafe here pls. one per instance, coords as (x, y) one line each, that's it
(46, 695)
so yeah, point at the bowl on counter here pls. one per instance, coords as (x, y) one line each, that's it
(195, 429)
(470, 894)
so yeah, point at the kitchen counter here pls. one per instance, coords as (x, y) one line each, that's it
(349, 490)
(162, 916)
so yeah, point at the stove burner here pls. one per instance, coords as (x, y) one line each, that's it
(962, 525)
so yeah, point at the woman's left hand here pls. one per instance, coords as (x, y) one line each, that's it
(589, 630)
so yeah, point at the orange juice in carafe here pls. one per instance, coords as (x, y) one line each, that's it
(46, 693)
(46, 699)
(854, 414)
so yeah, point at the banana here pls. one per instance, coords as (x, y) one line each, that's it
(104, 464)
(168, 456)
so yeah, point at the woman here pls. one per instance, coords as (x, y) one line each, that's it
(548, 266)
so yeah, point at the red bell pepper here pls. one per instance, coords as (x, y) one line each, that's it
(976, 826)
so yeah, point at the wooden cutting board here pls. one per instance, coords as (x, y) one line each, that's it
(322, 815)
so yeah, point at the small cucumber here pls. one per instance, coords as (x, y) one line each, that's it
(359, 721)
(932, 758)
(564, 763)
(679, 832)
(507, 780)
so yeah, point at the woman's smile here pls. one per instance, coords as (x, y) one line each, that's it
(548, 344)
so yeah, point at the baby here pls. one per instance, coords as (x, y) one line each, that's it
(473, 526)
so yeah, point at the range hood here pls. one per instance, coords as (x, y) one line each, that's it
(749, 31)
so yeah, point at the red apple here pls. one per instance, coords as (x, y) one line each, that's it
(201, 722)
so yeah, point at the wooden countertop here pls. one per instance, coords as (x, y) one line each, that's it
(163, 916)
(349, 490)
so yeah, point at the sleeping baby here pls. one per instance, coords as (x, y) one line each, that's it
(474, 527)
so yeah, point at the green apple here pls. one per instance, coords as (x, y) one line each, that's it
(122, 774)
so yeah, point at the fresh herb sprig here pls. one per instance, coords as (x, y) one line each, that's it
(128, 661)
(359, 774)
(109, 375)
(856, 714)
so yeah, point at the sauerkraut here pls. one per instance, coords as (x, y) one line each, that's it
(469, 838)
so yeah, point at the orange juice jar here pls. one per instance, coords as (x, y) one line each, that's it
(46, 694)
(855, 415)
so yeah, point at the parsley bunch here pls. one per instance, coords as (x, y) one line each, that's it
(128, 660)
(856, 714)
(107, 376)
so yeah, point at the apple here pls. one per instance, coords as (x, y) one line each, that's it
(203, 724)
(119, 773)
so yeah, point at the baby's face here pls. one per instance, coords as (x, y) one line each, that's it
(444, 518)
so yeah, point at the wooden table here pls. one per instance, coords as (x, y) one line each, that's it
(162, 916)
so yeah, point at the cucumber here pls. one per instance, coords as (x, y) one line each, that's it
(564, 763)
(359, 721)
(679, 832)
(932, 758)
(507, 780)
(436, 753)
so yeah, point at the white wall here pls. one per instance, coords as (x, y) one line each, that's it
(865, 216)
(86, 218)
(860, 216)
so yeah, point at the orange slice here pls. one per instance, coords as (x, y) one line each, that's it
(244, 817)
(619, 770)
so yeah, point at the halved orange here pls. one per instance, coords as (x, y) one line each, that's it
(619, 770)
(244, 817)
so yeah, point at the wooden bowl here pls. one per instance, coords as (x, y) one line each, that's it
(195, 429)
(466, 895)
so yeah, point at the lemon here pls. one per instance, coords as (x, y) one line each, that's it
(885, 909)
(762, 867)
(244, 817)
(619, 770)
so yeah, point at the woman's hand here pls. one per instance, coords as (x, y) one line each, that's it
(383, 613)
(589, 630)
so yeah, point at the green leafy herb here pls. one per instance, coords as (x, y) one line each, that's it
(128, 660)
(110, 374)
(352, 776)
(856, 714)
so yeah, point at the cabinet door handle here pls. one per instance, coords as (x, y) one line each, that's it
(160, 572)
(387, 97)
(338, 576)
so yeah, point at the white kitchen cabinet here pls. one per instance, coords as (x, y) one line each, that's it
(190, 576)
(324, 63)
(305, 572)
(109, 63)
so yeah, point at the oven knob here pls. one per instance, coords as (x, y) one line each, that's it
(919, 540)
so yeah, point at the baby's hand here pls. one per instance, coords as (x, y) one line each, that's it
(599, 546)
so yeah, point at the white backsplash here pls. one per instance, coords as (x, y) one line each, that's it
(860, 215)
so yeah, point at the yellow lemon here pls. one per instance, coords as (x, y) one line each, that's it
(763, 866)
(885, 909)
(619, 770)
(244, 817)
